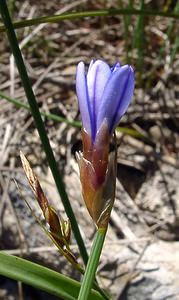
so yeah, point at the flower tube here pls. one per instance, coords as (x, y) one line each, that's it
(104, 95)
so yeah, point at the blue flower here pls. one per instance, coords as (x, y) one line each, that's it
(104, 94)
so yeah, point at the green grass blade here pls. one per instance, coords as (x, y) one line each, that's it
(41, 277)
(175, 50)
(77, 124)
(49, 116)
(127, 21)
(168, 33)
(131, 132)
(95, 13)
(40, 127)
(176, 43)
(139, 39)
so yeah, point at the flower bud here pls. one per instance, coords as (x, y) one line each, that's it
(104, 95)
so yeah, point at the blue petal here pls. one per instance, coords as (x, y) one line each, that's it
(82, 94)
(97, 77)
(90, 65)
(126, 98)
(115, 67)
(116, 96)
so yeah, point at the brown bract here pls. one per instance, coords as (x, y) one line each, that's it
(98, 175)
(59, 230)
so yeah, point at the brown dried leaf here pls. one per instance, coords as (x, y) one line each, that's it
(34, 183)
(59, 230)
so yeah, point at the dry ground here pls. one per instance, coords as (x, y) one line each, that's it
(141, 255)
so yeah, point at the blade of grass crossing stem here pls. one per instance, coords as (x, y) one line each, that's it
(41, 277)
(139, 39)
(19, 104)
(40, 126)
(92, 265)
(76, 124)
(95, 13)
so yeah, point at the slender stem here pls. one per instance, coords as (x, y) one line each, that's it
(92, 265)
(40, 126)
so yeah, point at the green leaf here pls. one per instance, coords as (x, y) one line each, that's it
(41, 277)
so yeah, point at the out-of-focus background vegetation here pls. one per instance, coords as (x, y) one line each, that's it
(144, 228)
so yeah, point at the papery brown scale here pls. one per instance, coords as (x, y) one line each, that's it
(98, 200)
(101, 152)
(87, 177)
(97, 154)
(97, 175)
(53, 221)
(34, 183)
(66, 227)
(87, 145)
(108, 193)
(41, 198)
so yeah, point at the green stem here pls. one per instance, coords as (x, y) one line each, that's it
(40, 126)
(92, 265)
